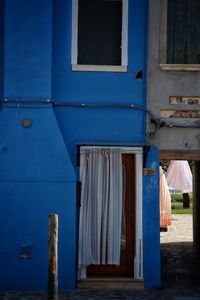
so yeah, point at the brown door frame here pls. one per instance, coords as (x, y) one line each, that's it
(179, 155)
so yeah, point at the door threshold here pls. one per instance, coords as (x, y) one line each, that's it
(110, 282)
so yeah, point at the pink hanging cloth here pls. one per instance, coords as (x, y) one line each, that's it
(165, 201)
(179, 176)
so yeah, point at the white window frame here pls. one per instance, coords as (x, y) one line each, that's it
(163, 45)
(138, 259)
(100, 68)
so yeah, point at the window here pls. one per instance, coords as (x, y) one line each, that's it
(99, 39)
(183, 32)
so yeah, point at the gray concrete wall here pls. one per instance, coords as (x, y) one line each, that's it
(162, 84)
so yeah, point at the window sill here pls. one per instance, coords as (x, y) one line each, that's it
(180, 67)
(99, 68)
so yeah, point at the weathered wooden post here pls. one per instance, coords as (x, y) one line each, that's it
(53, 257)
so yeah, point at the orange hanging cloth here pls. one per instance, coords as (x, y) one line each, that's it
(165, 201)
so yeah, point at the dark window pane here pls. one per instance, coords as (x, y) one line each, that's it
(177, 31)
(193, 36)
(99, 32)
(183, 32)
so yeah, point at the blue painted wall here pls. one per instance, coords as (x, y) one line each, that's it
(28, 48)
(39, 164)
(36, 178)
(109, 126)
(151, 223)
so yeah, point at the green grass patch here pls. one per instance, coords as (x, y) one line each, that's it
(179, 197)
(177, 208)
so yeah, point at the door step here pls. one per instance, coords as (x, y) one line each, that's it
(110, 282)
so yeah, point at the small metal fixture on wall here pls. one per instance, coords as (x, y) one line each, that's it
(139, 75)
(149, 171)
(25, 252)
(26, 123)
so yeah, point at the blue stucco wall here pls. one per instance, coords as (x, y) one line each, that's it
(25, 222)
(38, 164)
(109, 126)
(36, 175)
(36, 178)
(28, 48)
(151, 223)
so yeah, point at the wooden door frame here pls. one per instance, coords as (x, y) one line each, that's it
(179, 155)
(138, 260)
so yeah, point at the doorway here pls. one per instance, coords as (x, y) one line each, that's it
(128, 271)
(180, 262)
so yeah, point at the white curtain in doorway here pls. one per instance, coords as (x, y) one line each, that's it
(101, 206)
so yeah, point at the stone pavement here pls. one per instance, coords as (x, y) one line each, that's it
(179, 268)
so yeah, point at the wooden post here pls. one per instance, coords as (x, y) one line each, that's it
(53, 258)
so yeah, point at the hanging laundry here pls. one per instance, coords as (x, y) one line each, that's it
(179, 176)
(165, 201)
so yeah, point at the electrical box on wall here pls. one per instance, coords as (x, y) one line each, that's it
(149, 171)
(25, 252)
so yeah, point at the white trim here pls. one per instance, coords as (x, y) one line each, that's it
(124, 46)
(74, 52)
(99, 68)
(124, 57)
(180, 67)
(82, 272)
(138, 259)
(131, 150)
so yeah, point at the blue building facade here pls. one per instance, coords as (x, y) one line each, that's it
(49, 110)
